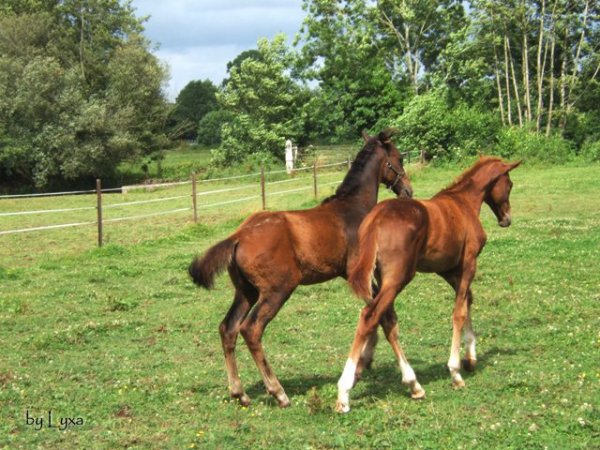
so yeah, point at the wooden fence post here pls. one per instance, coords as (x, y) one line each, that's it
(262, 186)
(194, 198)
(315, 178)
(349, 163)
(99, 208)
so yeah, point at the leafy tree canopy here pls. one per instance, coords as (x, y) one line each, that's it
(195, 100)
(265, 102)
(79, 90)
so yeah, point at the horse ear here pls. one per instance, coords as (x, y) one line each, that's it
(384, 137)
(511, 166)
(365, 136)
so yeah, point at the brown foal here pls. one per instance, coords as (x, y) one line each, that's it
(272, 253)
(443, 235)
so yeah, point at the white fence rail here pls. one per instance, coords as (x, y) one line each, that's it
(312, 182)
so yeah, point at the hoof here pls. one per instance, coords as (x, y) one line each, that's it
(458, 384)
(419, 395)
(284, 402)
(242, 399)
(342, 408)
(469, 364)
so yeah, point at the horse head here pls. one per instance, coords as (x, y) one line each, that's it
(498, 195)
(392, 173)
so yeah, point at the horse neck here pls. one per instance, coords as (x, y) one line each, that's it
(368, 190)
(473, 190)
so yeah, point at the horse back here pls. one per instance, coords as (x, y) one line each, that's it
(305, 246)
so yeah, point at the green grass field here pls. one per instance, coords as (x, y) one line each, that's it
(121, 339)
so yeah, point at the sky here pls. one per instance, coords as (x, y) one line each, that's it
(197, 38)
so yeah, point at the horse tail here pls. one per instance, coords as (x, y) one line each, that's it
(203, 269)
(361, 272)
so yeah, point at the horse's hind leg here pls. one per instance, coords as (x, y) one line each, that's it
(367, 324)
(470, 360)
(366, 356)
(229, 330)
(252, 330)
(389, 322)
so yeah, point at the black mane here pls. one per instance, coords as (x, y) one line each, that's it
(352, 181)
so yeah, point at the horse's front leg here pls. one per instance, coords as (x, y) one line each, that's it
(461, 315)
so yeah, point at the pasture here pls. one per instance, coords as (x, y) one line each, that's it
(120, 338)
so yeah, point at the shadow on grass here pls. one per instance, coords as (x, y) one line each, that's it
(297, 385)
(384, 378)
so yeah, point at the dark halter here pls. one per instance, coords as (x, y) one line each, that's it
(399, 173)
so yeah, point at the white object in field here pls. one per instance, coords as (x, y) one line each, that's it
(289, 157)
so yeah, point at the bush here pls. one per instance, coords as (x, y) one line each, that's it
(590, 151)
(445, 132)
(516, 142)
(209, 127)
(242, 136)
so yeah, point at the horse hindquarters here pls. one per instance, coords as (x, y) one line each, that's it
(393, 238)
(396, 228)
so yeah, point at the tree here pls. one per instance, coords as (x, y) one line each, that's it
(211, 125)
(265, 102)
(195, 100)
(341, 52)
(415, 33)
(79, 90)
(236, 63)
(543, 53)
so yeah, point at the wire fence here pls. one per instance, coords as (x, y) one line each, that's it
(186, 203)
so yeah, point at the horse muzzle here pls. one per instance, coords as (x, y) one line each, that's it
(505, 222)
(406, 192)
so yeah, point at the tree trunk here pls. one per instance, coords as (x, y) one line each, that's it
(499, 86)
(526, 77)
(507, 80)
(551, 93)
(563, 93)
(573, 78)
(515, 85)
(413, 67)
(540, 70)
(81, 41)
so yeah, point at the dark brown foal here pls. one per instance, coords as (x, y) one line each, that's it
(271, 253)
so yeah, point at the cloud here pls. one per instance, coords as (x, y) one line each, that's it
(198, 38)
(196, 63)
